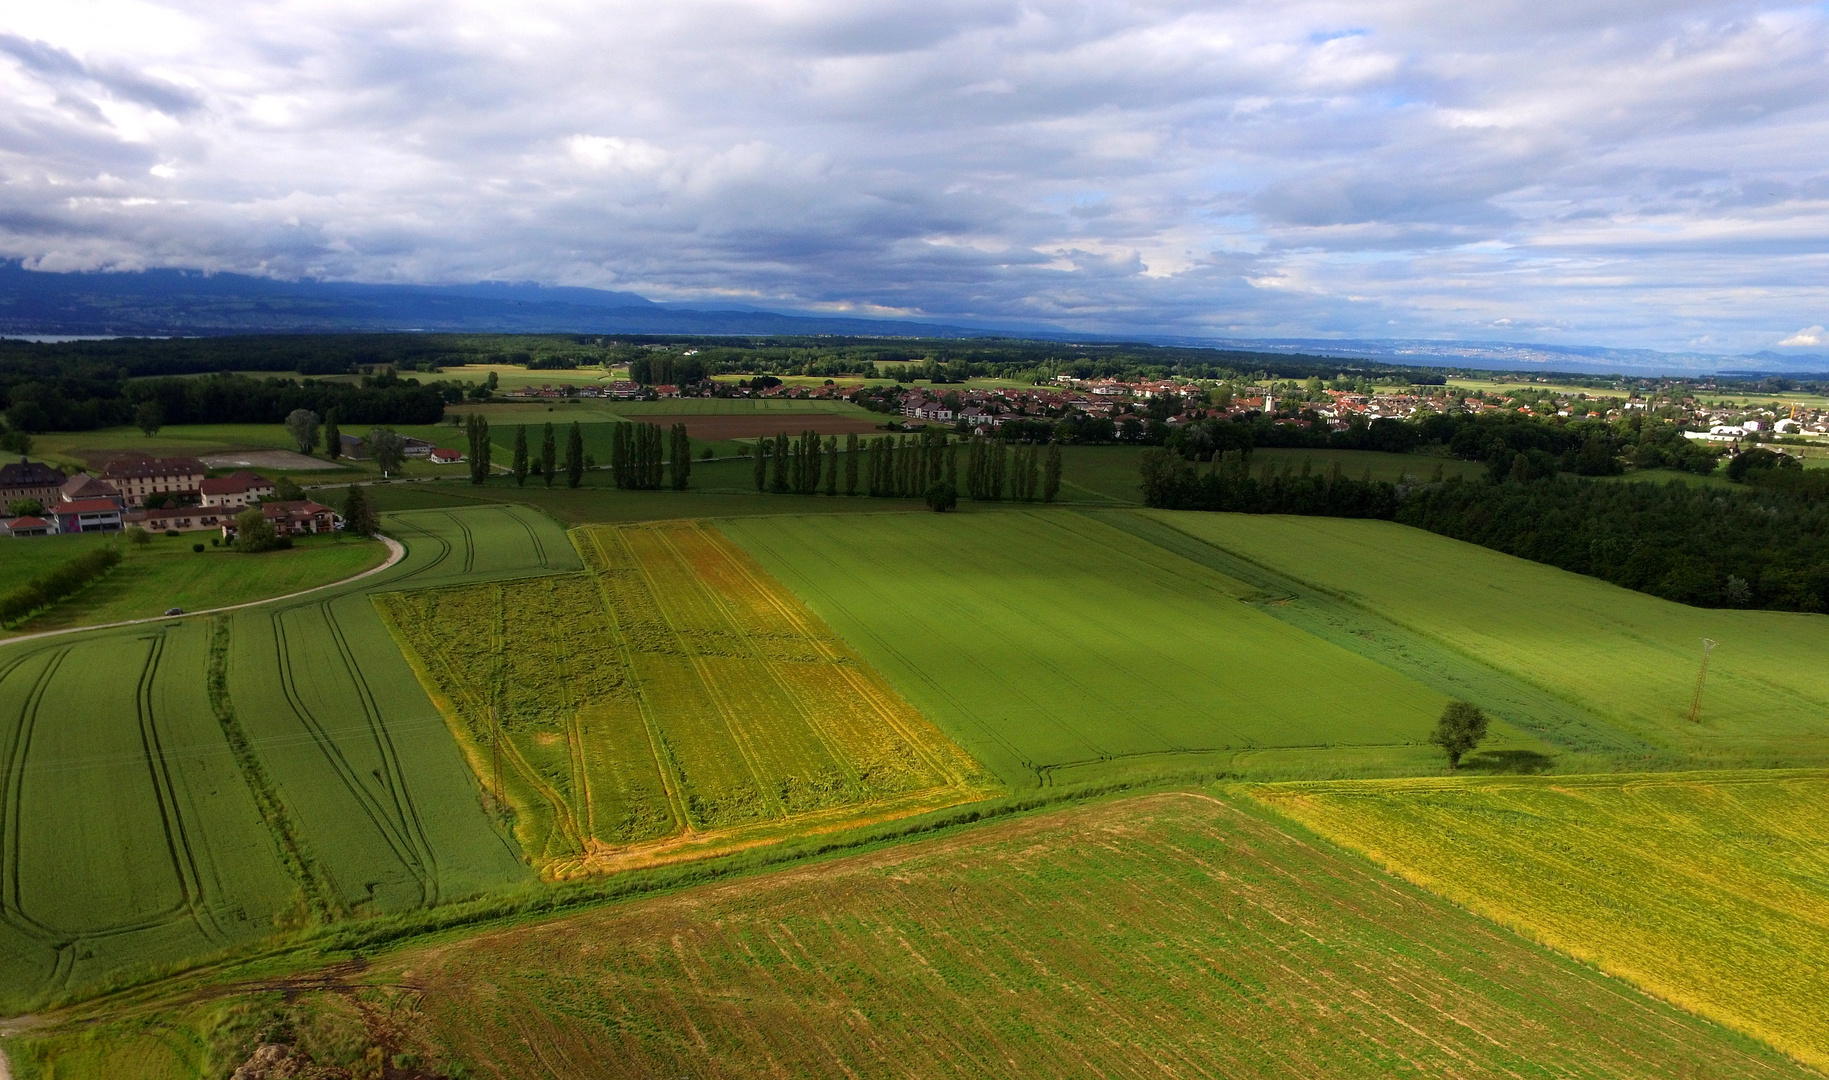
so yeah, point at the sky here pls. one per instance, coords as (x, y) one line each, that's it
(1631, 174)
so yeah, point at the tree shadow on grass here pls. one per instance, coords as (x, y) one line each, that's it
(1522, 762)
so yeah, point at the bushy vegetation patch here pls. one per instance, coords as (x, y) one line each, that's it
(56, 584)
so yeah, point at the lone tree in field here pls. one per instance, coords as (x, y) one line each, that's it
(149, 417)
(333, 435)
(302, 425)
(1461, 728)
(549, 454)
(941, 496)
(386, 448)
(476, 430)
(679, 457)
(574, 456)
(520, 455)
(358, 515)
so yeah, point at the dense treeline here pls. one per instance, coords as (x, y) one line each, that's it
(636, 456)
(1549, 446)
(55, 584)
(663, 370)
(1765, 545)
(908, 466)
(80, 405)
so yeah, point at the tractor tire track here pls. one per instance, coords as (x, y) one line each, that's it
(407, 813)
(12, 902)
(401, 848)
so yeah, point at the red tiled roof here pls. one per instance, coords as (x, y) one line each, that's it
(86, 506)
(28, 522)
(237, 483)
(297, 508)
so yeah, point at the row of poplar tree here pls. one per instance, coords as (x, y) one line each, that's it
(547, 465)
(906, 466)
(636, 458)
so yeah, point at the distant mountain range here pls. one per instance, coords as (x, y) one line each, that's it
(168, 303)
(175, 303)
(1515, 356)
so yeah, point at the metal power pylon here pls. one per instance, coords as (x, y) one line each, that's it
(1695, 704)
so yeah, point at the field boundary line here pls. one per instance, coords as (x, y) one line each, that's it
(1608, 725)
(395, 552)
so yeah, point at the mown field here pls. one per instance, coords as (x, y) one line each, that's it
(1171, 934)
(178, 789)
(1629, 658)
(166, 573)
(1711, 890)
(671, 702)
(1056, 647)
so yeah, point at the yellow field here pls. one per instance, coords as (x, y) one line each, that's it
(1710, 890)
(673, 701)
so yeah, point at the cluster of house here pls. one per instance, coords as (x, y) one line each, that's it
(620, 390)
(1732, 425)
(192, 500)
(351, 446)
(980, 408)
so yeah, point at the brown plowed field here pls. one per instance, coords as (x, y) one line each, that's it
(715, 428)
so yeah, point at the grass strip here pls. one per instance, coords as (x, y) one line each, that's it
(319, 897)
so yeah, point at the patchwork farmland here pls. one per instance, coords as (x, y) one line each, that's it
(672, 701)
(519, 720)
(1058, 648)
(181, 788)
(1177, 933)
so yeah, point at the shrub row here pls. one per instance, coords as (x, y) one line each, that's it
(55, 584)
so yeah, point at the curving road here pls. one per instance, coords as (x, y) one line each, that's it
(395, 552)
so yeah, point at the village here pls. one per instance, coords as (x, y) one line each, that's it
(163, 495)
(1173, 402)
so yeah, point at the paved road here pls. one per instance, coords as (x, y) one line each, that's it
(395, 552)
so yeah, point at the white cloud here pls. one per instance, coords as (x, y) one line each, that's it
(1810, 336)
(1629, 173)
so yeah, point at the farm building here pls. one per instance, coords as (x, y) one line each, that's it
(442, 456)
(181, 518)
(84, 486)
(25, 479)
(136, 478)
(352, 446)
(300, 517)
(85, 515)
(27, 526)
(237, 489)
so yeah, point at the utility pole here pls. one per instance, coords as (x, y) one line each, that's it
(1695, 704)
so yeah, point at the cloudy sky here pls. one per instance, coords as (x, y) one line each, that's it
(1649, 174)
